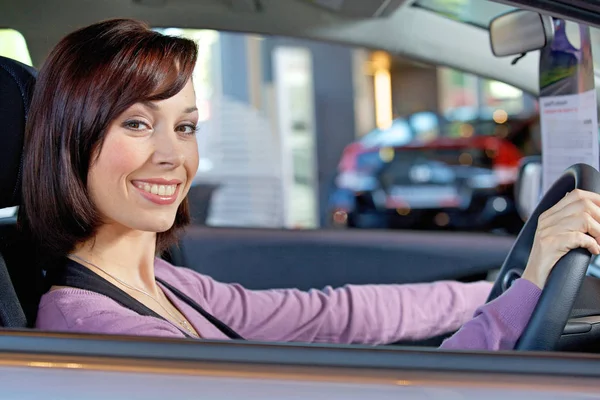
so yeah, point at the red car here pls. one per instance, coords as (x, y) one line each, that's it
(461, 183)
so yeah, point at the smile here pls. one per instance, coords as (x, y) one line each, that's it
(161, 190)
(158, 193)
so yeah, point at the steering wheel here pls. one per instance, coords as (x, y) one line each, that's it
(552, 312)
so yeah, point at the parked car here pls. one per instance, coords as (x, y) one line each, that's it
(455, 183)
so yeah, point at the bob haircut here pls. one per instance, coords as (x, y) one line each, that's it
(91, 77)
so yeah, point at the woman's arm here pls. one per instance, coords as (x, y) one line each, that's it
(499, 324)
(573, 222)
(353, 314)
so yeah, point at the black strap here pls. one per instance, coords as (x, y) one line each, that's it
(212, 319)
(73, 274)
(11, 313)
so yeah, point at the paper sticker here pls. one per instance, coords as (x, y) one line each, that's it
(569, 133)
(568, 111)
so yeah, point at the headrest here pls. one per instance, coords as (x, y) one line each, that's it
(16, 88)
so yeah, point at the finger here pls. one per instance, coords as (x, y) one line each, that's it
(582, 222)
(570, 198)
(575, 240)
(578, 194)
(572, 210)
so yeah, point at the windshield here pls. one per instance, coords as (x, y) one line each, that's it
(475, 12)
(480, 12)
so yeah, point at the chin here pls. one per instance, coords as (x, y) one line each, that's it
(158, 225)
(164, 227)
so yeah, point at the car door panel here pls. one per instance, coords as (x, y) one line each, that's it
(304, 259)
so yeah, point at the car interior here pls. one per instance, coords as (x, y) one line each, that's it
(73, 366)
(16, 85)
(305, 259)
(272, 258)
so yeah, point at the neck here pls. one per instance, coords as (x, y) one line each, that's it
(128, 256)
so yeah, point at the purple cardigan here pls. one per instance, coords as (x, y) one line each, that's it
(369, 314)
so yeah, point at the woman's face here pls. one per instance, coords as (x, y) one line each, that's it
(147, 163)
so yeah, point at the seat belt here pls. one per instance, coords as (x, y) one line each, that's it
(220, 325)
(72, 274)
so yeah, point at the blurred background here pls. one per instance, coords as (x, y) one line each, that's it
(305, 135)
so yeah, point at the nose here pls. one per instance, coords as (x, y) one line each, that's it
(168, 149)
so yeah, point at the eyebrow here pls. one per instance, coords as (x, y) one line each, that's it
(153, 106)
(150, 105)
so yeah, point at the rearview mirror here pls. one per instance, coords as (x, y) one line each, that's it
(528, 188)
(519, 32)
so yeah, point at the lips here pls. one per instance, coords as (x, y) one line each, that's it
(158, 191)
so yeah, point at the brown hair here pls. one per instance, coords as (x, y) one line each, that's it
(91, 77)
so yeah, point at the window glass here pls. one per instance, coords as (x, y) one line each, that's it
(476, 106)
(8, 212)
(481, 12)
(475, 12)
(13, 45)
(300, 134)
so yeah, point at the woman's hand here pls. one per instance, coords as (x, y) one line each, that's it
(572, 223)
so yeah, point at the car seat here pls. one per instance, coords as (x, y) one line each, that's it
(20, 280)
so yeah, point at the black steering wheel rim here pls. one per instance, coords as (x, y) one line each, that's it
(556, 302)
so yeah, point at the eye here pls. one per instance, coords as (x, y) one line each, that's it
(136, 125)
(187, 129)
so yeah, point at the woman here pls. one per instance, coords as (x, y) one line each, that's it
(110, 156)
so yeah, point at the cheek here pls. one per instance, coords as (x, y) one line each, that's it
(190, 165)
(117, 159)
(191, 159)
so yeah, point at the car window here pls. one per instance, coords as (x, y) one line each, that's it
(13, 45)
(8, 212)
(268, 103)
(296, 135)
(474, 12)
(480, 13)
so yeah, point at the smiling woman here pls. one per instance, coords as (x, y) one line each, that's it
(120, 140)
(142, 164)
(111, 91)
(110, 154)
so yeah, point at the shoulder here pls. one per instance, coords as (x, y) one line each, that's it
(188, 281)
(201, 288)
(82, 311)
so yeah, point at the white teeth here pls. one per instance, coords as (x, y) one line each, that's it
(161, 190)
